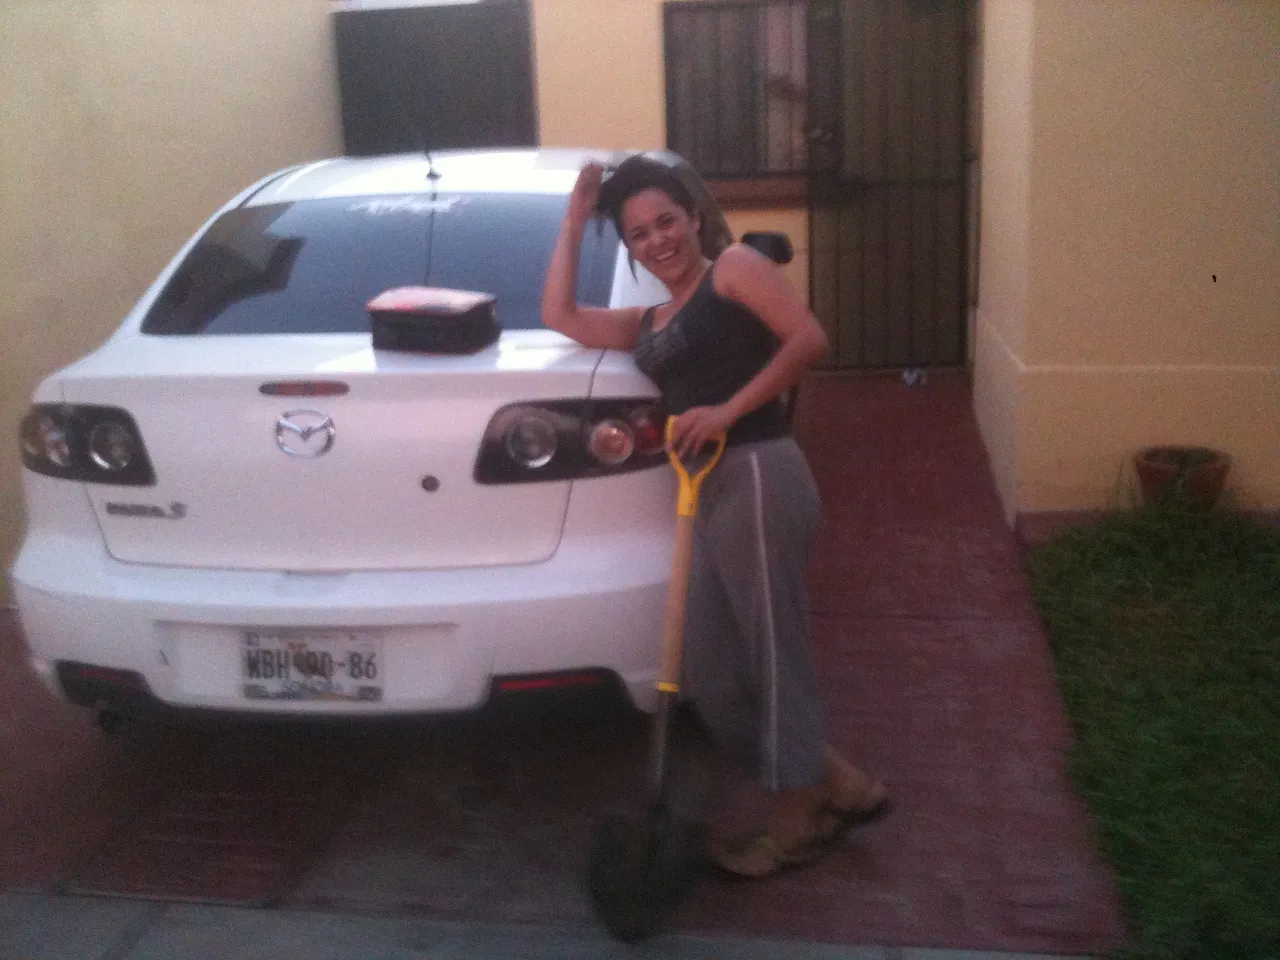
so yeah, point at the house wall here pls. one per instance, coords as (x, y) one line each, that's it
(599, 73)
(1139, 246)
(123, 130)
(1000, 323)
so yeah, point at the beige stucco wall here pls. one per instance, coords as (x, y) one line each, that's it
(126, 123)
(1152, 136)
(1000, 326)
(599, 73)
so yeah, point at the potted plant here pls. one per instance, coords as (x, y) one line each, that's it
(1190, 477)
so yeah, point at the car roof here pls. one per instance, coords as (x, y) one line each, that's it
(549, 171)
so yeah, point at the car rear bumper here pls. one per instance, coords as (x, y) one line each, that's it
(445, 635)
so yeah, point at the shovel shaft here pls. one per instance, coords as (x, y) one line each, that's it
(677, 601)
(659, 751)
(671, 658)
(635, 873)
(673, 622)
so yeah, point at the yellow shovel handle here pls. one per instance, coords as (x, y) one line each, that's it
(682, 557)
(687, 504)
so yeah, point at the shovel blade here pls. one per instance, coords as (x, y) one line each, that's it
(640, 869)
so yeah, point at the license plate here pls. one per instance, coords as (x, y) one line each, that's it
(311, 665)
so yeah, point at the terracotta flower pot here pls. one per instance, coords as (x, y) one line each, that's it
(1190, 477)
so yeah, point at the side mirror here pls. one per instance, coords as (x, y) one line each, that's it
(774, 245)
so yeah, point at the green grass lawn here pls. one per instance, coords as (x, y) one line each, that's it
(1166, 630)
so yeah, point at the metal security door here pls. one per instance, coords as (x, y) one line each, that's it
(887, 180)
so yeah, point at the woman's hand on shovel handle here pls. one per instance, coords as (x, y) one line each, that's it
(698, 426)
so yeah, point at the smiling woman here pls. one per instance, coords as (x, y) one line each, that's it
(731, 340)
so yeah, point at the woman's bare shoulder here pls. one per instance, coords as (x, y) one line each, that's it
(741, 267)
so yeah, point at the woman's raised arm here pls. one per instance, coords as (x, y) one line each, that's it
(590, 326)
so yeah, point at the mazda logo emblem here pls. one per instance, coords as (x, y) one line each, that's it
(305, 433)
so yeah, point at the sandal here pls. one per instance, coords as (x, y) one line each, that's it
(757, 855)
(837, 822)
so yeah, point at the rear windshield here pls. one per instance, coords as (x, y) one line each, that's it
(311, 266)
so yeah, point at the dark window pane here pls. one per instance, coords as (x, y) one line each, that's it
(737, 87)
(295, 267)
(312, 266)
(451, 76)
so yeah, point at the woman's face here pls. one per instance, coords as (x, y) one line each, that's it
(661, 235)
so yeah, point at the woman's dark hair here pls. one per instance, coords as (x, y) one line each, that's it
(637, 174)
(679, 181)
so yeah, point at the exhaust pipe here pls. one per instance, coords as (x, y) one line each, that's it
(112, 720)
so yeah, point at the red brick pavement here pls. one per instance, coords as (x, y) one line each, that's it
(937, 677)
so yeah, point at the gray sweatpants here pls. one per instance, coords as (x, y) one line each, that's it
(748, 667)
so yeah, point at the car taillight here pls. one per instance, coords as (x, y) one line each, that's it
(611, 442)
(649, 425)
(87, 443)
(570, 439)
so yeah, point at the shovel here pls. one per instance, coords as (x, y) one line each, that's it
(640, 867)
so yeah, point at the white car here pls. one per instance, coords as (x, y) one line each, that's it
(237, 503)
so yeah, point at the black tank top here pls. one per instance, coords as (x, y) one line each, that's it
(705, 354)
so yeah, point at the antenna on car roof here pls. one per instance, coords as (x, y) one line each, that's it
(416, 125)
(432, 173)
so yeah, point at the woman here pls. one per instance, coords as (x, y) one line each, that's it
(733, 338)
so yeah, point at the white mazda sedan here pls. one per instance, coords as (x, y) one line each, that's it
(238, 503)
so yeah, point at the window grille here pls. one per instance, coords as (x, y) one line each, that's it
(737, 86)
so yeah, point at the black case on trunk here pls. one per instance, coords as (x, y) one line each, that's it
(433, 320)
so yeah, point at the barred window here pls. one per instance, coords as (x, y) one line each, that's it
(737, 87)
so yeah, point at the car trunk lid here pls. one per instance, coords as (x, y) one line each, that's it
(379, 477)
